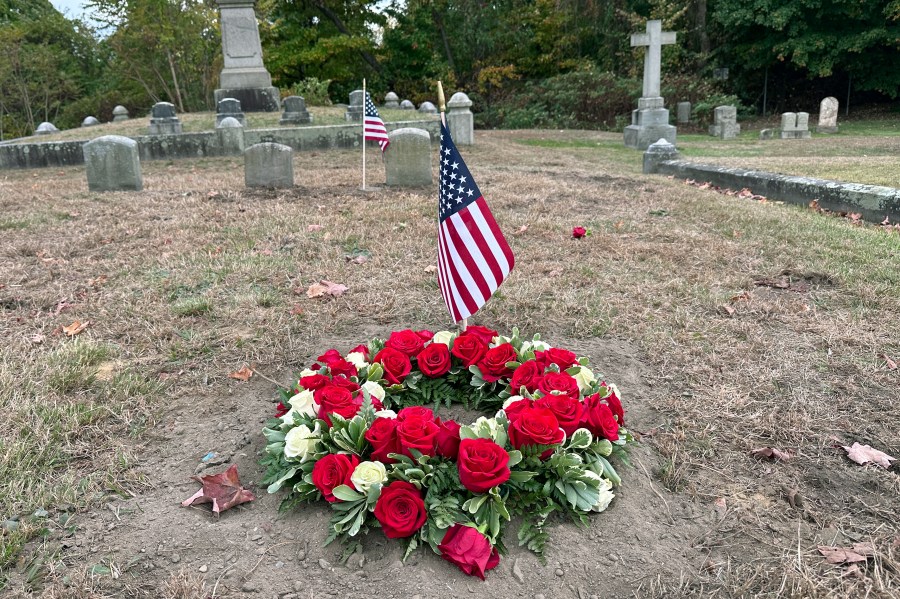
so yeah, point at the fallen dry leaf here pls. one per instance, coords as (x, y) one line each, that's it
(243, 374)
(521, 230)
(38, 338)
(863, 454)
(297, 310)
(727, 310)
(721, 506)
(314, 228)
(430, 268)
(771, 453)
(357, 260)
(890, 363)
(847, 555)
(223, 491)
(76, 327)
(324, 287)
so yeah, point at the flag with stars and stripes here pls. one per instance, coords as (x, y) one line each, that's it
(473, 256)
(373, 125)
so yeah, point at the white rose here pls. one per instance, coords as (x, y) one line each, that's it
(367, 474)
(307, 372)
(444, 337)
(606, 494)
(301, 442)
(386, 414)
(304, 403)
(374, 389)
(358, 359)
(512, 400)
(584, 378)
(535, 345)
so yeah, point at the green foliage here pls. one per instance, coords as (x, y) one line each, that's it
(314, 91)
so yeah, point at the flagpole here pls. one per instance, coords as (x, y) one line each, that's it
(442, 106)
(364, 134)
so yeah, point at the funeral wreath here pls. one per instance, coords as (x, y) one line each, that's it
(360, 431)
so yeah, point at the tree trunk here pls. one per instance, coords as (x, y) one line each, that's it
(440, 24)
(702, 35)
(175, 81)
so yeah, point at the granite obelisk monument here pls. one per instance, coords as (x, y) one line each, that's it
(244, 76)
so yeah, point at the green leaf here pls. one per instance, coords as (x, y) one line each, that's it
(521, 476)
(274, 487)
(515, 457)
(345, 493)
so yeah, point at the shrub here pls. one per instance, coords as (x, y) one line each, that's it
(313, 90)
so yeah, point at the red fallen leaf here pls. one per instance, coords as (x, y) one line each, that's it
(863, 454)
(76, 327)
(297, 310)
(704, 186)
(854, 217)
(324, 287)
(860, 552)
(243, 374)
(771, 453)
(890, 363)
(223, 491)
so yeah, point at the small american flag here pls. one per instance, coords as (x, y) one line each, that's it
(473, 256)
(374, 126)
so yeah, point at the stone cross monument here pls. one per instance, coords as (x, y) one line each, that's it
(650, 122)
(244, 76)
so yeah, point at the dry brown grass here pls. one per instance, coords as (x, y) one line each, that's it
(802, 372)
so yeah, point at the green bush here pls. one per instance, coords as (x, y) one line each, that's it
(313, 90)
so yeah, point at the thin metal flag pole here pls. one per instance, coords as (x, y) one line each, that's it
(442, 106)
(364, 134)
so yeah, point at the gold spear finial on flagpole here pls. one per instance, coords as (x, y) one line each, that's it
(442, 105)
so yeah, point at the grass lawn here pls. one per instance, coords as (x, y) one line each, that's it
(196, 276)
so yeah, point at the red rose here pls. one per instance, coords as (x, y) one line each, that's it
(330, 356)
(281, 410)
(448, 439)
(615, 404)
(598, 418)
(332, 471)
(314, 382)
(469, 348)
(395, 363)
(566, 410)
(417, 433)
(514, 410)
(561, 382)
(470, 550)
(400, 510)
(535, 426)
(485, 334)
(336, 400)
(434, 360)
(362, 349)
(482, 464)
(342, 367)
(383, 437)
(405, 341)
(415, 412)
(493, 365)
(425, 334)
(561, 357)
(343, 381)
(527, 375)
(579, 232)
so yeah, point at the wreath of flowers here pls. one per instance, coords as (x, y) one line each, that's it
(354, 431)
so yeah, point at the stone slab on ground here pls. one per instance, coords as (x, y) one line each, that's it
(112, 164)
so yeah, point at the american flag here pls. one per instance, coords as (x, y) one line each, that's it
(473, 256)
(374, 126)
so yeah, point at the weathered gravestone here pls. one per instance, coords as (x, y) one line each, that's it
(767, 133)
(407, 105)
(683, 113)
(725, 125)
(659, 151)
(427, 108)
(90, 121)
(268, 165)
(230, 107)
(163, 120)
(407, 161)
(460, 119)
(244, 76)
(231, 136)
(295, 112)
(120, 113)
(46, 128)
(795, 125)
(391, 100)
(112, 164)
(356, 108)
(650, 122)
(828, 113)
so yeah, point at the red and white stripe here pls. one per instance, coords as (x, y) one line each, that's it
(374, 129)
(473, 259)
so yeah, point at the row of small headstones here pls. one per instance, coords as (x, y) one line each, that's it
(120, 113)
(112, 162)
(794, 125)
(458, 102)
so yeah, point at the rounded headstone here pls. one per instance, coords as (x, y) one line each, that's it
(407, 105)
(407, 160)
(120, 113)
(46, 128)
(391, 100)
(229, 122)
(459, 100)
(657, 152)
(112, 164)
(294, 104)
(828, 113)
(228, 106)
(427, 108)
(163, 110)
(356, 97)
(268, 165)
(89, 121)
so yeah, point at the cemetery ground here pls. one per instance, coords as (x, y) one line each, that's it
(729, 325)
